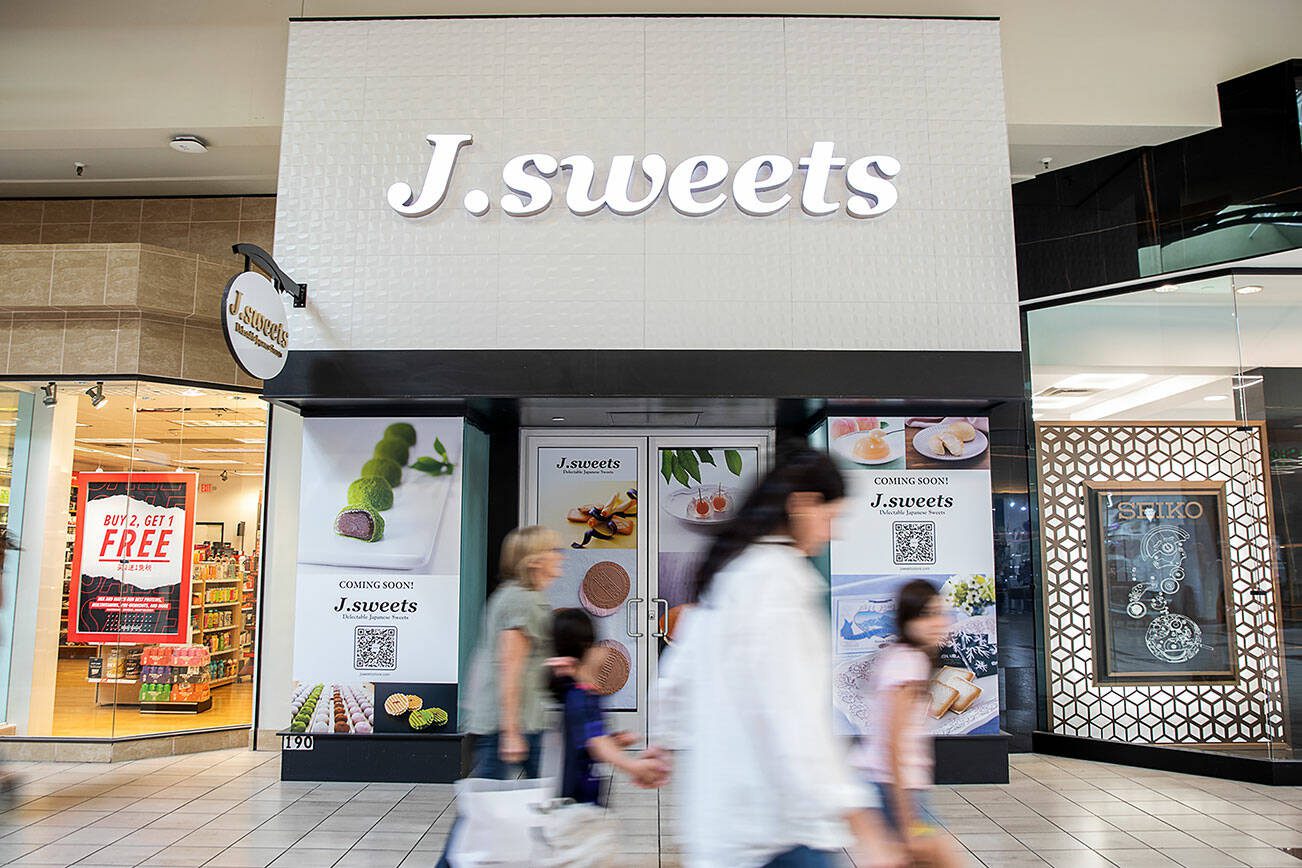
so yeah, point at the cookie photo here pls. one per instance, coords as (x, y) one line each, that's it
(604, 588)
(396, 704)
(613, 671)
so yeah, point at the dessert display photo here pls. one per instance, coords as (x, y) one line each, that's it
(700, 489)
(947, 443)
(965, 687)
(405, 707)
(602, 583)
(872, 441)
(376, 490)
(343, 709)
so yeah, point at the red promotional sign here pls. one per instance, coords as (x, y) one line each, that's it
(131, 558)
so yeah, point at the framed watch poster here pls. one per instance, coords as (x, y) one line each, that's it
(1160, 583)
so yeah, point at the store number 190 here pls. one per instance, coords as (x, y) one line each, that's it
(296, 742)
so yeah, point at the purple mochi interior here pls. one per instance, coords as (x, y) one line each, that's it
(356, 523)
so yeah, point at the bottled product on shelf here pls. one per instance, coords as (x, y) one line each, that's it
(223, 600)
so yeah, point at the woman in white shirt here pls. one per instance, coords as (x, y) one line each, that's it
(745, 692)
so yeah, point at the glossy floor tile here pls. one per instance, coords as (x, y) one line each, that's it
(229, 808)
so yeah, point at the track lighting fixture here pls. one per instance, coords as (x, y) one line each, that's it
(51, 394)
(97, 396)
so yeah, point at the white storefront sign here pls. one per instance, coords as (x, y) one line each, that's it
(867, 178)
(533, 185)
(254, 322)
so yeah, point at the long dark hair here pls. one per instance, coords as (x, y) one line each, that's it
(798, 468)
(910, 604)
(572, 635)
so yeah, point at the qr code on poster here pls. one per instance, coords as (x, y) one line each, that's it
(915, 542)
(375, 648)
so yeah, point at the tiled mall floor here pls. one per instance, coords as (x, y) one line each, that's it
(228, 808)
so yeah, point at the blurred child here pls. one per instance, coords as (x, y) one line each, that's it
(896, 752)
(585, 741)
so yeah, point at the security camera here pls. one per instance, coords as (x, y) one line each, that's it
(1045, 161)
(80, 167)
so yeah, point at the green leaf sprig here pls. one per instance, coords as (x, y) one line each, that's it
(684, 465)
(441, 466)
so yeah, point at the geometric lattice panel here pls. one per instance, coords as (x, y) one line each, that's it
(1250, 711)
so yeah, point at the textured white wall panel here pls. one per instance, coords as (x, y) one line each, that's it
(936, 272)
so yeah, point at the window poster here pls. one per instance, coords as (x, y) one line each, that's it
(1160, 583)
(699, 490)
(919, 507)
(131, 558)
(589, 496)
(379, 573)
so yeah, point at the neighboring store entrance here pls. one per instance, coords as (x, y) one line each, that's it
(636, 511)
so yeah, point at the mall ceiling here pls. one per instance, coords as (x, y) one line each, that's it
(108, 82)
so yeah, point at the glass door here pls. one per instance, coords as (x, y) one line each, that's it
(588, 488)
(636, 512)
(698, 484)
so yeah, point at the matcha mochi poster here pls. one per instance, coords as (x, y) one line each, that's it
(379, 562)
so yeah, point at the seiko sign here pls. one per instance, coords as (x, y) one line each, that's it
(696, 187)
(254, 322)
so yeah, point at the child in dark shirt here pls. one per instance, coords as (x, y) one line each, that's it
(584, 737)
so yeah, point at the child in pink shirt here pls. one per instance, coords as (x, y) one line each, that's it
(896, 751)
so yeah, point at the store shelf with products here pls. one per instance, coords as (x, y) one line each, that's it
(223, 597)
(175, 679)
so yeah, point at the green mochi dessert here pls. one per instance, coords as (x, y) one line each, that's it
(360, 522)
(370, 491)
(385, 468)
(401, 431)
(394, 449)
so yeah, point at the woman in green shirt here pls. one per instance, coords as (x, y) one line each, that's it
(505, 704)
(503, 707)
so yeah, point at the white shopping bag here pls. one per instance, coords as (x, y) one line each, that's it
(575, 836)
(497, 822)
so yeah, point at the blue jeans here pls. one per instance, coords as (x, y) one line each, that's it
(922, 812)
(802, 857)
(486, 763)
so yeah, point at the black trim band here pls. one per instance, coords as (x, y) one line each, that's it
(360, 376)
(1189, 761)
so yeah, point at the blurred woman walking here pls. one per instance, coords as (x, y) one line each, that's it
(745, 692)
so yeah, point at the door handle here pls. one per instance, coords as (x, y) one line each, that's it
(630, 614)
(662, 623)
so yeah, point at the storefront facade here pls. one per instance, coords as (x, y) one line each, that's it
(133, 456)
(1165, 494)
(654, 246)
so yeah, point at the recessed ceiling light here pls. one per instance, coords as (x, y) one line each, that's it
(1216, 398)
(1250, 289)
(558, 418)
(1166, 287)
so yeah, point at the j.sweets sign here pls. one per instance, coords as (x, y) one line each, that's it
(254, 322)
(693, 187)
